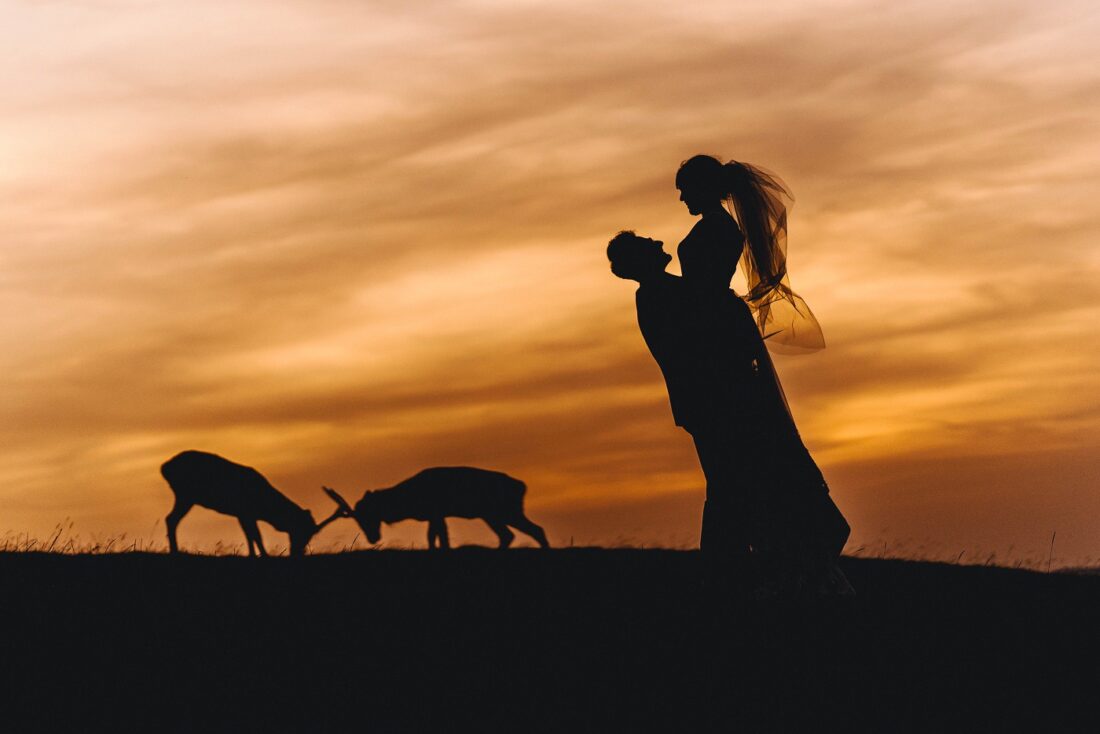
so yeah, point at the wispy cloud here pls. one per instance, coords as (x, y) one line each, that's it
(342, 241)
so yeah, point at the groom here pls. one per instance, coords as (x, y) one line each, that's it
(690, 338)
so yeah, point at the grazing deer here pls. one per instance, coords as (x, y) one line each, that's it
(441, 492)
(208, 480)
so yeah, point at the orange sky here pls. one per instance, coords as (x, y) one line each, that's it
(342, 241)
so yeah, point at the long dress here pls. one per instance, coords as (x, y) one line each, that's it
(795, 531)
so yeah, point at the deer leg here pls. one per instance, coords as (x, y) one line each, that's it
(172, 521)
(526, 526)
(505, 535)
(252, 535)
(247, 536)
(259, 539)
(437, 531)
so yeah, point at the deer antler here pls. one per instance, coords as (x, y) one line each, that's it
(331, 518)
(343, 509)
(341, 503)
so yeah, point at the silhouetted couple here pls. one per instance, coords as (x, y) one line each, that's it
(769, 525)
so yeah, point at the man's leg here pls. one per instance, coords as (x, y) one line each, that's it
(724, 541)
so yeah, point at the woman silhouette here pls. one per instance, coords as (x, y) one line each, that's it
(768, 506)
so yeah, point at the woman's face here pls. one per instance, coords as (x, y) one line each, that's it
(695, 201)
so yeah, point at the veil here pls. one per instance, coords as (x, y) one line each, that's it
(761, 201)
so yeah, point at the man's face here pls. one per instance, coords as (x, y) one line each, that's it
(640, 257)
(651, 246)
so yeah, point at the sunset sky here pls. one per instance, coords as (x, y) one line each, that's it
(341, 241)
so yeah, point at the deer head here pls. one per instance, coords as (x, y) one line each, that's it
(304, 530)
(363, 513)
(368, 515)
(301, 532)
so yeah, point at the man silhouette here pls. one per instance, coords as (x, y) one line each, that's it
(692, 337)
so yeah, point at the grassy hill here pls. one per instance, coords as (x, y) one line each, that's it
(578, 640)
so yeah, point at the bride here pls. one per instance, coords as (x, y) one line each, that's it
(763, 487)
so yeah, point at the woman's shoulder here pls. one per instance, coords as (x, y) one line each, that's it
(722, 231)
(723, 228)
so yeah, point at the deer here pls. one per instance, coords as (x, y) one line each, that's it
(208, 480)
(446, 491)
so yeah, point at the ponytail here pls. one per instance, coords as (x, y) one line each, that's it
(757, 198)
(759, 201)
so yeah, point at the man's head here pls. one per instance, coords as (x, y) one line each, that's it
(636, 258)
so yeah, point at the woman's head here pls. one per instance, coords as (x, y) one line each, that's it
(703, 182)
(757, 198)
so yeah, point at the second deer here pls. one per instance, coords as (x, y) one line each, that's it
(446, 491)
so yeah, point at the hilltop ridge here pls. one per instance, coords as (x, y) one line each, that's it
(526, 640)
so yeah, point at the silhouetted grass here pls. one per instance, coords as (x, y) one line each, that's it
(910, 550)
(66, 540)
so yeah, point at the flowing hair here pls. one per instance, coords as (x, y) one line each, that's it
(760, 201)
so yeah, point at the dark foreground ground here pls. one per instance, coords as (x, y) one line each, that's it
(579, 640)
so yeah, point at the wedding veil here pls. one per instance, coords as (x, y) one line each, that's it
(761, 201)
